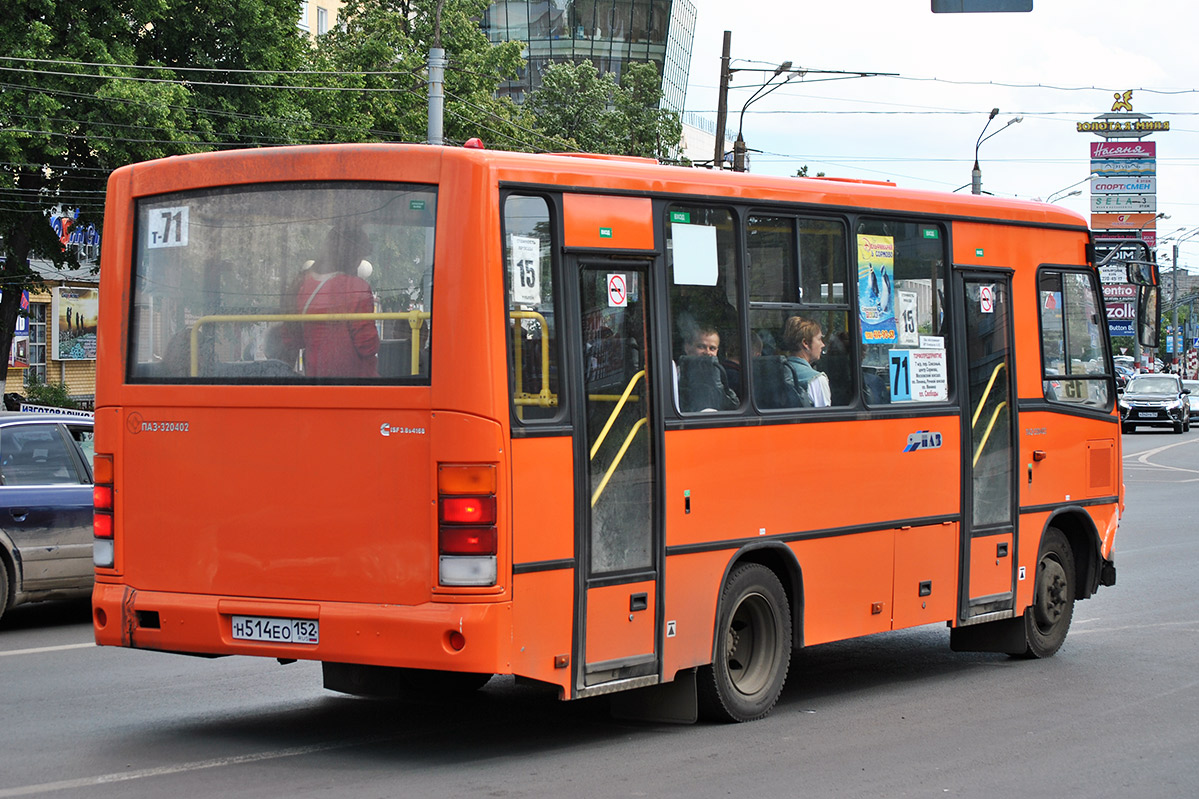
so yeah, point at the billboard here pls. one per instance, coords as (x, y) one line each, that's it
(1123, 149)
(1124, 166)
(73, 325)
(1119, 203)
(1129, 221)
(1123, 185)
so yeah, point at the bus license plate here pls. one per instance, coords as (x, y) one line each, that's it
(277, 631)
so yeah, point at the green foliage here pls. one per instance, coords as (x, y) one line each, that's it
(588, 111)
(50, 394)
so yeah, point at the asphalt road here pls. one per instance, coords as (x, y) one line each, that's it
(1113, 714)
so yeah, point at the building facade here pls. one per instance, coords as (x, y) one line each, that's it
(608, 33)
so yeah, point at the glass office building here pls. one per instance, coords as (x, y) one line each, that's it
(608, 33)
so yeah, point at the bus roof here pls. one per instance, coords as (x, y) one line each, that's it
(592, 172)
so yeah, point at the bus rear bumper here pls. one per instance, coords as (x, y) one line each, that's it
(471, 637)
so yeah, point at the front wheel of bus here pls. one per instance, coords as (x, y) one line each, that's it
(753, 647)
(1047, 620)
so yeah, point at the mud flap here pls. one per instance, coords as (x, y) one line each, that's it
(1005, 635)
(673, 702)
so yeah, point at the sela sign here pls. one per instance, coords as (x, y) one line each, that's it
(1123, 149)
(1130, 185)
(1110, 203)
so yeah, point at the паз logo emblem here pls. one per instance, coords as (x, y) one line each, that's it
(923, 439)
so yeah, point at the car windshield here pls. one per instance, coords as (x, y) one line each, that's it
(1153, 384)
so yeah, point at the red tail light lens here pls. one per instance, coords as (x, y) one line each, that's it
(467, 510)
(102, 525)
(467, 541)
(102, 497)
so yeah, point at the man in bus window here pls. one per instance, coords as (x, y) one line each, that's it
(332, 285)
(803, 343)
(701, 382)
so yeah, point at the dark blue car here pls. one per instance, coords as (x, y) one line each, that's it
(45, 507)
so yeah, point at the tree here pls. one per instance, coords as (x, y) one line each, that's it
(646, 129)
(379, 57)
(66, 119)
(589, 111)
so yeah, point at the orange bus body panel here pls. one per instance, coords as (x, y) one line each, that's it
(602, 223)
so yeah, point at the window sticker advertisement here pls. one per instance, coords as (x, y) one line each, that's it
(918, 376)
(876, 295)
(74, 314)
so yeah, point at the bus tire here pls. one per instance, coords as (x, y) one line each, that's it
(446, 684)
(1047, 619)
(753, 647)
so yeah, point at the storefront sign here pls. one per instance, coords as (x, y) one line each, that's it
(1109, 203)
(1123, 185)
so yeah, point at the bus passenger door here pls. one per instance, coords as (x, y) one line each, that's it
(616, 446)
(988, 555)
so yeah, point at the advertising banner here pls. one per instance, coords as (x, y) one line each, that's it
(876, 279)
(1123, 149)
(1134, 221)
(1148, 236)
(1123, 185)
(74, 312)
(1124, 166)
(1114, 203)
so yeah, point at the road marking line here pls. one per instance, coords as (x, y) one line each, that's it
(199, 765)
(41, 649)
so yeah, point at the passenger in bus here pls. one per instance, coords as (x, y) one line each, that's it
(701, 383)
(331, 285)
(803, 343)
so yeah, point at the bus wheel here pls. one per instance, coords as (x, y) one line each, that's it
(1047, 620)
(442, 683)
(753, 647)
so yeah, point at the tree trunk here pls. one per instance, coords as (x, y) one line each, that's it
(15, 273)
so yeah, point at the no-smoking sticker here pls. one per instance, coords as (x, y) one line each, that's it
(986, 299)
(618, 291)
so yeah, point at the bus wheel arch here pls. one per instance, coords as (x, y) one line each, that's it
(1083, 537)
(753, 636)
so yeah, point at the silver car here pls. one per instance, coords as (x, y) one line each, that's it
(1193, 397)
(45, 507)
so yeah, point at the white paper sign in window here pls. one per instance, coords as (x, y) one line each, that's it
(526, 272)
(695, 261)
(167, 227)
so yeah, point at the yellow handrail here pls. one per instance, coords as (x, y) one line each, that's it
(545, 398)
(987, 433)
(616, 461)
(615, 412)
(986, 394)
(414, 319)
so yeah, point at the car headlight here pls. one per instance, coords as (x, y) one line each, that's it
(1173, 406)
(1123, 404)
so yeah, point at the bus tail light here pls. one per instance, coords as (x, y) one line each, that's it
(467, 540)
(103, 549)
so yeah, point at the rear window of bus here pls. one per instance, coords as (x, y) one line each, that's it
(316, 282)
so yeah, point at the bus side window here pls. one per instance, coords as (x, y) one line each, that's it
(532, 325)
(705, 316)
(799, 314)
(900, 283)
(1073, 358)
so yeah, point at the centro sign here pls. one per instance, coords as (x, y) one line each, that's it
(1136, 185)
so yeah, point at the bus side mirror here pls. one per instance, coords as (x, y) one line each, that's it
(1142, 273)
(1147, 316)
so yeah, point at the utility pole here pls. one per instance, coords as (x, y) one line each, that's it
(722, 103)
(436, 132)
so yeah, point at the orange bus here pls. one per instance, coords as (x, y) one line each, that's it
(427, 415)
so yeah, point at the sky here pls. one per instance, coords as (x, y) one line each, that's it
(1054, 67)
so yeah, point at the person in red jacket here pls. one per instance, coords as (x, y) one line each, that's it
(345, 349)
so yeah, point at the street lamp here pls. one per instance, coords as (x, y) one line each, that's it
(763, 90)
(1147, 222)
(976, 175)
(1074, 193)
